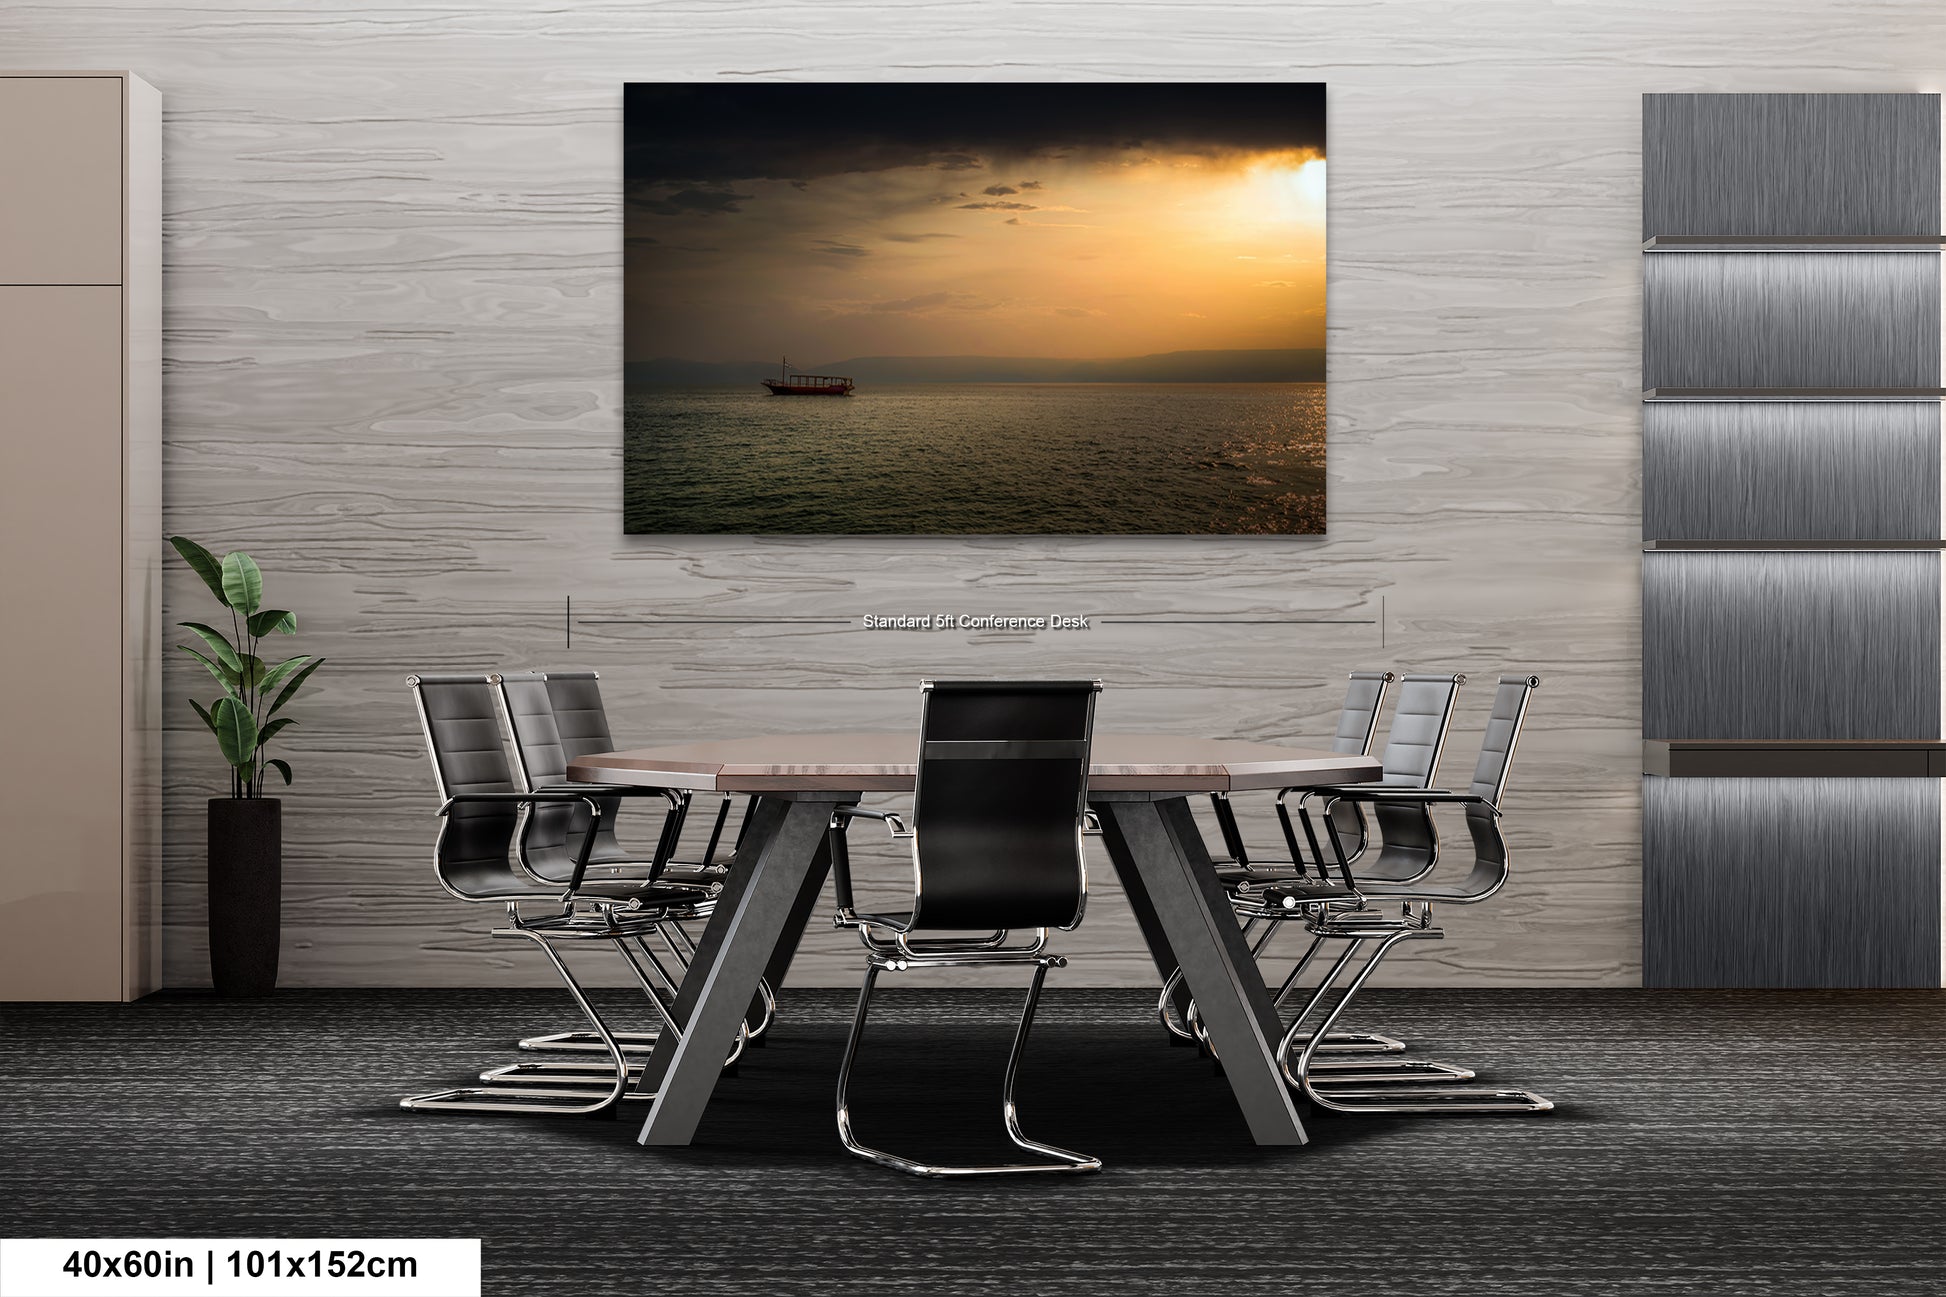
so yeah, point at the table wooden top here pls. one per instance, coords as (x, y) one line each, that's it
(886, 763)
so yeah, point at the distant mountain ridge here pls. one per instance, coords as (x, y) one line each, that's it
(1304, 365)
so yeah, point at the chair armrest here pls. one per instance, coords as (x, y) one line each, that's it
(552, 795)
(891, 819)
(851, 919)
(1321, 790)
(1421, 796)
(669, 795)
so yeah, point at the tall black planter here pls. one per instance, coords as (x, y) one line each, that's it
(246, 884)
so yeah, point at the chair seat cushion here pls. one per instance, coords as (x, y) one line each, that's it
(1415, 892)
(1307, 890)
(1231, 875)
(507, 888)
(630, 890)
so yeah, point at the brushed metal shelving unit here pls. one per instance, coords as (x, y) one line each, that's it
(1792, 555)
(1719, 394)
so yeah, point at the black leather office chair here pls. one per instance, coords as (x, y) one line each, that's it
(1357, 924)
(556, 717)
(1408, 837)
(1408, 847)
(1409, 841)
(1357, 724)
(1414, 743)
(475, 860)
(998, 814)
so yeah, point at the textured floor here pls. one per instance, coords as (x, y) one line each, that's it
(1706, 1143)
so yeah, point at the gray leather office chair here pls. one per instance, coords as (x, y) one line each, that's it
(998, 814)
(556, 717)
(1357, 924)
(481, 812)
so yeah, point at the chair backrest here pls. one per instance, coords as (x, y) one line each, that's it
(1502, 734)
(539, 707)
(1490, 857)
(1358, 720)
(538, 752)
(1419, 724)
(579, 716)
(462, 731)
(1409, 839)
(1357, 724)
(997, 808)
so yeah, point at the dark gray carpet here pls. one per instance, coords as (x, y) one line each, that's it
(1714, 1143)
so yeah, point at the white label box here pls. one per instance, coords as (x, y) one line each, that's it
(239, 1267)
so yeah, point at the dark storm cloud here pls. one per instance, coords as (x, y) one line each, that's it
(689, 200)
(837, 249)
(998, 207)
(703, 138)
(1030, 184)
(999, 191)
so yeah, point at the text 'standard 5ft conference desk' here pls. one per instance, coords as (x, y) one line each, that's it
(1139, 784)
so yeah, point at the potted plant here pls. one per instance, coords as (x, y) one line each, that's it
(246, 849)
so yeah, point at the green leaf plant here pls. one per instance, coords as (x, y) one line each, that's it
(244, 719)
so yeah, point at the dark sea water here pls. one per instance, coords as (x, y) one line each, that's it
(978, 458)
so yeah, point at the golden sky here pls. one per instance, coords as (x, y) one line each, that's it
(1086, 252)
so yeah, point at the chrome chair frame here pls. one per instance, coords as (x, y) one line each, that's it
(1409, 846)
(1061, 1159)
(893, 943)
(579, 919)
(536, 730)
(481, 867)
(1356, 925)
(1357, 726)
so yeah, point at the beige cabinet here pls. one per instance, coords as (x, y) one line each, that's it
(81, 535)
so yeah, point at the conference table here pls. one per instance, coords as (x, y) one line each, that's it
(1138, 784)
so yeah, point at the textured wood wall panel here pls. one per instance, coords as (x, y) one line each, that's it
(1739, 319)
(1790, 646)
(1734, 164)
(393, 337)
(1780, 471)
(1791, 882)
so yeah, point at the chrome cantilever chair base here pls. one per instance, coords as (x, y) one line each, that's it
(555, 1074)
(643, 1042)
(567, 1088)
(1364, 1070)
(1336, 1042)
(564, 1102)
(1394, 1098)
(1061, 1160)
(578, 1042)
